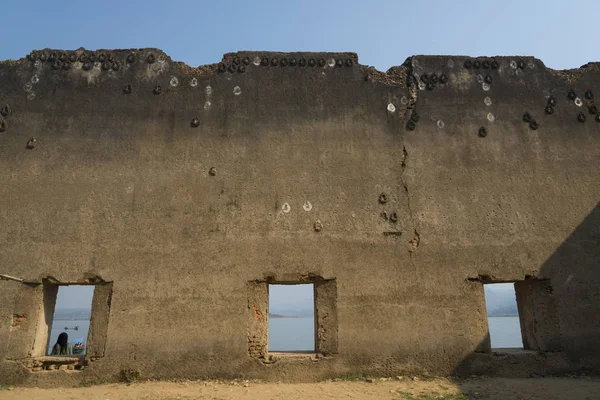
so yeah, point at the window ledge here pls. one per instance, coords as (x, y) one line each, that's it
(274, 356)
(53, 363)
(510, 350)
(60, 359)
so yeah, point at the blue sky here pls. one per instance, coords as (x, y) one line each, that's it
(384, 33)
(296, 300)
(74, 296)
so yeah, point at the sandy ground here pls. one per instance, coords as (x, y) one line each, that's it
(406, 389)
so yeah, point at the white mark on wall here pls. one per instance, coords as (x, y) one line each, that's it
(307, 206)
(28, 86)
(331, 62)
(207, 103)
(513, 64)
(256, 61)
(403, 100)
(421, 85)
(440, 124)
(94, 74)
(174, 81)
(286, 208)
(485, 86)
(480, 78)
(391, 108)
(491, 117)
(487, 101)
(193, 82)
(161, 65)
(578, 102)
(157, 68)
(237, 90)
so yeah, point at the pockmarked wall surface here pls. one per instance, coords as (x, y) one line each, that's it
(180, 193)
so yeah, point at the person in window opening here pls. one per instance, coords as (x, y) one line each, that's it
(62, 346)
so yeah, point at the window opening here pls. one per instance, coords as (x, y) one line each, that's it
(71, 321)
(503, 316)
(291, 318)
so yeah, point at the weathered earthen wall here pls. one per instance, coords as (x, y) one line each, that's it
(178, 189)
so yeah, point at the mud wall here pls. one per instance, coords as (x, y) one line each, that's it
(175, 188)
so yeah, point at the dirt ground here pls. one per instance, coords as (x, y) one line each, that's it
(583, 388)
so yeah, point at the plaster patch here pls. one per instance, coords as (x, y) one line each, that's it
(307, 206)
(331, 62)
(485, 86)
(421, 85)
(391, 108)
(578, 102)
(208, 90)
(193, 82)
(286, 208)
(237, 90)
(256, 61)
(35, 79)
(480, 78)
(491, 117)
(403, 100)
(440, 124)
(487, 101)
(513, 64)
(174, 81)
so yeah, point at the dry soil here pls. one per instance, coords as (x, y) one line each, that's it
(404, 389)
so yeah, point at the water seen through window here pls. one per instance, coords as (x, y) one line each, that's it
(291, 318)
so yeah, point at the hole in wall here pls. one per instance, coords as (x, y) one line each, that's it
(291, 322)
(70, 324)
(503, 316)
